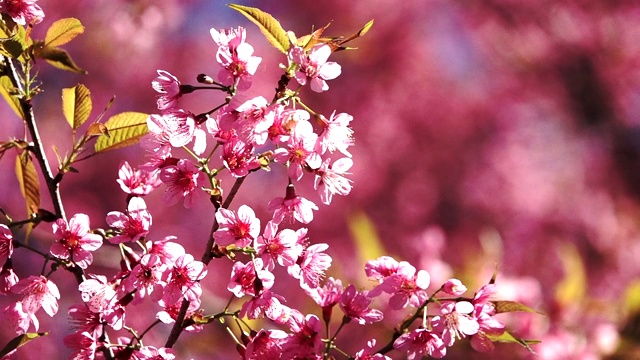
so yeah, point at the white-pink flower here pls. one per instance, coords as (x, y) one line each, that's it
(169, 88)
(407, 286)
(239, 228)
(182, 182)
(336, 134)
(456, 322)
(313, 67)
(300, 151)
(292, 207)
(23, 12)
(174, 128)
(330, 179)
(6, 243)
(139, 182)
(239, 157)
(250, 278)
(236, 57)
(130, 226)
(281, 247)
(311, 268)
(355, 306)
(183, 280)
(74, 240)
(37, 292)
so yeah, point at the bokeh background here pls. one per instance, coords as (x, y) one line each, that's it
(489, 134)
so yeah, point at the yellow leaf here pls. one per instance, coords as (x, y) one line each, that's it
(123, 130)
(573, 286)
(63, 31)
(363, 232)
(28, 179)
(76, 105)
(20, 340)
(269, 26)
(59, 58)
(6, 88)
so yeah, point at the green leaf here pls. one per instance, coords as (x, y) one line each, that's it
(63, 31)
(76, 105)
(59, 58)
(269, 26)
(7, 90)
(503, 306)
(28, 179)
(123, 130)
(20, 340)
(507, 337)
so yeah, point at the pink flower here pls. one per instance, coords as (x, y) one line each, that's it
(285, 122)
(23, 12)
(250, 279)
(484, 312)
(253, 119)
(170, 313)
(169, 88)
(311, 267)
(83, 343)
(174, 128)
(6, 243)
(99, 295)
(153, 353)
(183, 280)
(305, 341)
(455, 322)
(145, 277)
(330, 180)
(329, 295)
(37, 292)
(168, 251)
(292, 207)
(75, 240)
(355, 306)
(454, 287)
(299, 152)
(182, 183)
(265, 345)
(83, 319)
(281, 247)
(406, 286)
(266, 304)
(239, 229)
(236, 57)
(139, 182)
(314, 67)
(336, 134)
(381, 268)
(130, 226)
(421, 342)
(14, 317)
(239, 158)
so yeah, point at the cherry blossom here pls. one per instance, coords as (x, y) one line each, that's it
(313, 66)
(23, 12)
(381, 268)
(281, 247)
(250, 278)
(336, 134)
(182, 279)
(239, 228)
(182, 182)
(292, 207)
(330, 179)
(355, 306)
(456, 321)
(6, 243)
(266, 304)
(145, 277)
(75, 241)
(15, 318)
(407, 286)
(454, 287)
(139, 182)
(366, 353)
(421, 342)
(169, 88)
(8, 278)
(239, 158)
(299, 152)
(173, 128)
(311, 267)
(153, 353)
(236, 57)
(305, 341)
(130, 226)
(37, 292)
(265, 345)
(83, 343)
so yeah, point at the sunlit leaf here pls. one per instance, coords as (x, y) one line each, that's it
(6, 88)
(124, 129)
(507, 337)
(63, 31)
(20, 340)
(503, 306)
(76, 105)
(269, 26)
(59, 58)
(28, 179)
(367, 242)
(572, 288)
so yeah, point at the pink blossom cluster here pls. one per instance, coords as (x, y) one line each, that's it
(186, 152)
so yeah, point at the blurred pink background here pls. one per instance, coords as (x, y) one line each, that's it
(488, 133)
